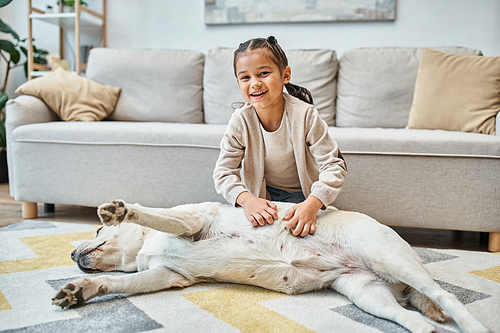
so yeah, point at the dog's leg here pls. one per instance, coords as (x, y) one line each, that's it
(412, 273)
(82, 290)
(395, 261)
(172, 221)
(376, 298)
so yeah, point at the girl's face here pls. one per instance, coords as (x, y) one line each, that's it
(260, 80)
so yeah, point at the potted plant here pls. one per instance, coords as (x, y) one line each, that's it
(10, 53)
(70, 4)
(4, 176)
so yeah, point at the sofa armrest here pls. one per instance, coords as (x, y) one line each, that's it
(21, 111)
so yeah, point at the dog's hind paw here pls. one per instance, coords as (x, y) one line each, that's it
(69, 295)
(112, 213)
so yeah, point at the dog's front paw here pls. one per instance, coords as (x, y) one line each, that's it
(69, 295)
(78, 292)
(112, 213)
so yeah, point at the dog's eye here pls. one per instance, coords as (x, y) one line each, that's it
(98, 231)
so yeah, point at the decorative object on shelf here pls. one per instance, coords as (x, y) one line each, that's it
(54, 61)
(49, 9)
(257, 11)
(69, 5)
(82, 18)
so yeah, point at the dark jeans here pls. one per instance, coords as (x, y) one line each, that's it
(284, 196)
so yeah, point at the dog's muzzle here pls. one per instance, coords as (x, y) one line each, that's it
(82, 257)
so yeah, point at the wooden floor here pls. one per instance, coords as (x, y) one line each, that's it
(10, 213)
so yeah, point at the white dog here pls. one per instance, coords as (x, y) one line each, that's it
(178, 247)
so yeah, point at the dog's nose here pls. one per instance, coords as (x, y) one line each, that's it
(73, 255)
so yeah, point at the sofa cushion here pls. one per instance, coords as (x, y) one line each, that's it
(157, 85)
(456, 93)
(400, 141)
(122, 133)
(155, 164)
(72, 97)
(376, 85)
(315, 70)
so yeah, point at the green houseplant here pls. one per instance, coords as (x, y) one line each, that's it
(71, 3)
(10, 57)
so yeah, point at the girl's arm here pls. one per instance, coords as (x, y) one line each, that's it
(226, 174)
(332, 172)
(331, 164)
(228, 180)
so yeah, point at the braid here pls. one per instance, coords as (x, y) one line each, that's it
(279, 58)
(299, 92)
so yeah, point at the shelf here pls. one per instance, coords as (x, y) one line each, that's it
(86, 19)
(42, 73)
(67, 20)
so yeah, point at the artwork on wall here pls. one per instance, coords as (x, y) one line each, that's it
(286, 11)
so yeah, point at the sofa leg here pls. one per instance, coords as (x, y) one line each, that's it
(29, 210)
(49, 208)
(494, 243)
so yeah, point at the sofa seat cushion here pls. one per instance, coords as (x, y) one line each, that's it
(121, 133)
(399, 141)
(155, 164)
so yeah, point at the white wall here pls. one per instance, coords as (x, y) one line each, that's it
(179, 24)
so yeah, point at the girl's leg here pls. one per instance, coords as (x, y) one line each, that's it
(284, 196)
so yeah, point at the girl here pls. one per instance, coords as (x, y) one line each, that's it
(276, 147)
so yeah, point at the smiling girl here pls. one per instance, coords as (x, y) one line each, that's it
(276, 147)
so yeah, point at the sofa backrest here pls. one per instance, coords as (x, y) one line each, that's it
(376, 85)
(315, 70)
(157, 85)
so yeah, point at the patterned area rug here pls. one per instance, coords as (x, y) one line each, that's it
(35, 262)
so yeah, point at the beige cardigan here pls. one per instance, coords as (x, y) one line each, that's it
(240, 166)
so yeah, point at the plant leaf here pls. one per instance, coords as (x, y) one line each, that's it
(16, 56)
(4, 27)
(4, 3)
(3, 99)
(8, 47)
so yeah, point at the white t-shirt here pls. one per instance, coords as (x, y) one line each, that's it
(280, 168)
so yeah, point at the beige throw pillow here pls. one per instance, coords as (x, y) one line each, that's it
(456, 93)
(72, 97)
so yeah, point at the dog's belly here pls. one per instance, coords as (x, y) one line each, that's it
(271, 258)
(232, 250)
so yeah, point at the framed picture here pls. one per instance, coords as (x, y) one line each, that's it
(286, 11)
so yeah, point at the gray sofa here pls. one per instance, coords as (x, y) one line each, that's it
(159, 146)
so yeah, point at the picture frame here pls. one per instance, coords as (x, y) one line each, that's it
(220, 12)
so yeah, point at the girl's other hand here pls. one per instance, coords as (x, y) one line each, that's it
(258, 211)
(303, 217)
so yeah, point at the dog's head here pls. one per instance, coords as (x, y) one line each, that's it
(112, 249)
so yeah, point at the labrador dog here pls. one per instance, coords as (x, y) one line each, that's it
(178, 247)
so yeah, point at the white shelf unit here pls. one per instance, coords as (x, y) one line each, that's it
(67, 20)
(81, 18)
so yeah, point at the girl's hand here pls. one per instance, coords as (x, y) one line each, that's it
(258, 211)
(303, 217)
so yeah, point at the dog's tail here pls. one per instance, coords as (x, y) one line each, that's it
(424, 304)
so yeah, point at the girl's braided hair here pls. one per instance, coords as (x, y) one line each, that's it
(278, 56)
